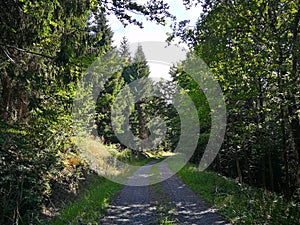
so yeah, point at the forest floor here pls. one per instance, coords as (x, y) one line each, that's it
(167, 202)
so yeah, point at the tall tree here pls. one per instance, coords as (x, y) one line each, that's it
(99, 36)
(253, 50)
(105, 100)
(42, 56)
(136, 70)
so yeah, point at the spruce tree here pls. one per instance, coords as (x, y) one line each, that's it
(124, 51)
(137, 70)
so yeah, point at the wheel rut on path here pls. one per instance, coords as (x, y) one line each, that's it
(168, 201)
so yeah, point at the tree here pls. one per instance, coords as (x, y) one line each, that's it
(152, 10)
(99, 34)
(42, 57)
(104, 103)
(44, 47)
(137, 70)
(124, 50)
(251, 48)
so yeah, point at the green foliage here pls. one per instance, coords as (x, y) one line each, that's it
(241, 204)
(152, 10)
(104, 103)
(44, 47)
(124, 50)
(138, 68)
(198, 97)
(251, 49)
(17, 174)
(135, 70)
(32, 167)
(125, 155)
(88, 207)
(167, 221)
(40, 66)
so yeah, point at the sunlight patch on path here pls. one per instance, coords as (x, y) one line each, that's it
(170, 199)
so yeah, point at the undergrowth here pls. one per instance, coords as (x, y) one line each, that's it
(90, 206)
(241, 204)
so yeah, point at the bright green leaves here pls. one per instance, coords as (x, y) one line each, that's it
(45, 45)
(251, 48)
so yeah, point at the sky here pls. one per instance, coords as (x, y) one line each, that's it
(153, 32)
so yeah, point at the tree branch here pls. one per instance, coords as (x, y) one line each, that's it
(27, 51)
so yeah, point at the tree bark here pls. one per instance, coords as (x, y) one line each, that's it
(6, 96)
(295, 123)
(270, 169)
(238, 168)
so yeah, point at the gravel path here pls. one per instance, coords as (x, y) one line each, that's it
(169, 201)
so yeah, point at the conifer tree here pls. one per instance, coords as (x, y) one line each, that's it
(137, 70)
(124, 50)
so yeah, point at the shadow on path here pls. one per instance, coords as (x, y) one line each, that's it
(151, 204)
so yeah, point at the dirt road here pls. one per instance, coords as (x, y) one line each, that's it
(168, 202)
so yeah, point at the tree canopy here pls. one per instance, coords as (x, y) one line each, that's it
(252, 48)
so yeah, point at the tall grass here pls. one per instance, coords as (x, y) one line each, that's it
(90, 205)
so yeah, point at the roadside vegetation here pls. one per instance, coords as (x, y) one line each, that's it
(90, 205)
(252, 49)
(93, 198)
(240, 203)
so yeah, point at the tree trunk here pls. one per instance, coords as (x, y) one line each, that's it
(6, 96)
(295, 123)
(263, 171)
(250, 179)
(237, 162)
(285, 154)
(142, 125)
(270, 170)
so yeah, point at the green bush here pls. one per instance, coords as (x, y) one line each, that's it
(125, 155)
(35, 162)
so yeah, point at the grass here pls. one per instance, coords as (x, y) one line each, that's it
(241, 204)
(166, 221)
(140, 161)
(90, 205)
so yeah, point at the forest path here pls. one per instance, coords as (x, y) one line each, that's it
(168, 202)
